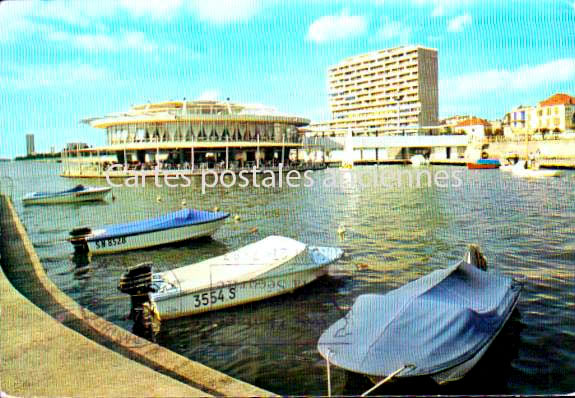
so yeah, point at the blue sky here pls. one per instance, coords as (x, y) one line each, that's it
(65, 61)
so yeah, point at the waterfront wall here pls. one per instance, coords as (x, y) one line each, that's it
(23, 268)
(549, 149)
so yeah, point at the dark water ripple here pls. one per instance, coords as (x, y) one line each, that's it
(524, 227)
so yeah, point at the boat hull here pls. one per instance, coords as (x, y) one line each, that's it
(457, 372)
(478, 166)
(528, 173)
(150, 239)
(73, 197)
(233, 294)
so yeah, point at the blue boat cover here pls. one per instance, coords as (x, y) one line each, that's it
(181, 218)
(435, 323)
(77, 188)
(489, 161)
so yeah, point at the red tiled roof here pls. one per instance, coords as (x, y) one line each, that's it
(474, 121)
(558, 99)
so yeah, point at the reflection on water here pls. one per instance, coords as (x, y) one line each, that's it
(393, 235)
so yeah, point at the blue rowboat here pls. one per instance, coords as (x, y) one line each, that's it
(438, 326)
(169, 228)
(77, 194)
(484, 164)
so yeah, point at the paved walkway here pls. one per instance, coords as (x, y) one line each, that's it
(40, 356)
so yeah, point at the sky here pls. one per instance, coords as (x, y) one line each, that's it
(64, 61)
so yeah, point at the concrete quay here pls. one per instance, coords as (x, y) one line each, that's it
(51, 346)
(41, 357)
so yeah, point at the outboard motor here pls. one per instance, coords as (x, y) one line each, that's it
(137, 282)
(476, 258)
(78, 239)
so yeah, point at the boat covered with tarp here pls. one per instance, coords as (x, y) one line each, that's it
(439, 325)
(172, 227)
(79, 193)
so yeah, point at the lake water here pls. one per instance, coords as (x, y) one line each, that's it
(394, 234)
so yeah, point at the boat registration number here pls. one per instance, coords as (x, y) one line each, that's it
(100, 244)
(214, 296)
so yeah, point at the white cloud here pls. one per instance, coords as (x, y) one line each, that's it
(523, 78)
(222, 11)
(457, 24)
(209, 95)
(13, 21)
(443, 7)
(157, 9)
(103, 42)
(53, 76)
(338, 27)
(27, 17)
(394, 29)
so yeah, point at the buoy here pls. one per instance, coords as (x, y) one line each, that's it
(254, 230)
(341, 230)
(216, 208)
(184, 203)
(158, 198)
(237, 218)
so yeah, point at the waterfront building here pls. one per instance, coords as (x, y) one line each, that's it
(475, 128)
(187, 136)
(555, 114)
(453, 121)
(389, 101)
(30, 149)
(390, 91)
(518, 121)
(73, 146)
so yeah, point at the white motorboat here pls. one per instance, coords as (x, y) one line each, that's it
(521, 169)
(169, 228)
(419, 160)
(270, 267)
(77, 194)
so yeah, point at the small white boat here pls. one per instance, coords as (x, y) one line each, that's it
(169, 228)
(270, 267)
(77, 194)
(520, 169)
(419, 160)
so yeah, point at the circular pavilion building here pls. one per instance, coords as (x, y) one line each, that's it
(188, 136)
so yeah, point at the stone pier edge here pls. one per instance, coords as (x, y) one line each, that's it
(34, 284)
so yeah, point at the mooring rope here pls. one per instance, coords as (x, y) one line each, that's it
(388, 378)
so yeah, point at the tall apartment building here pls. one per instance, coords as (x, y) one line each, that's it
(391, 91)
(30, 150)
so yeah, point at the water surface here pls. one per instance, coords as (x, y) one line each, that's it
(394, 234)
